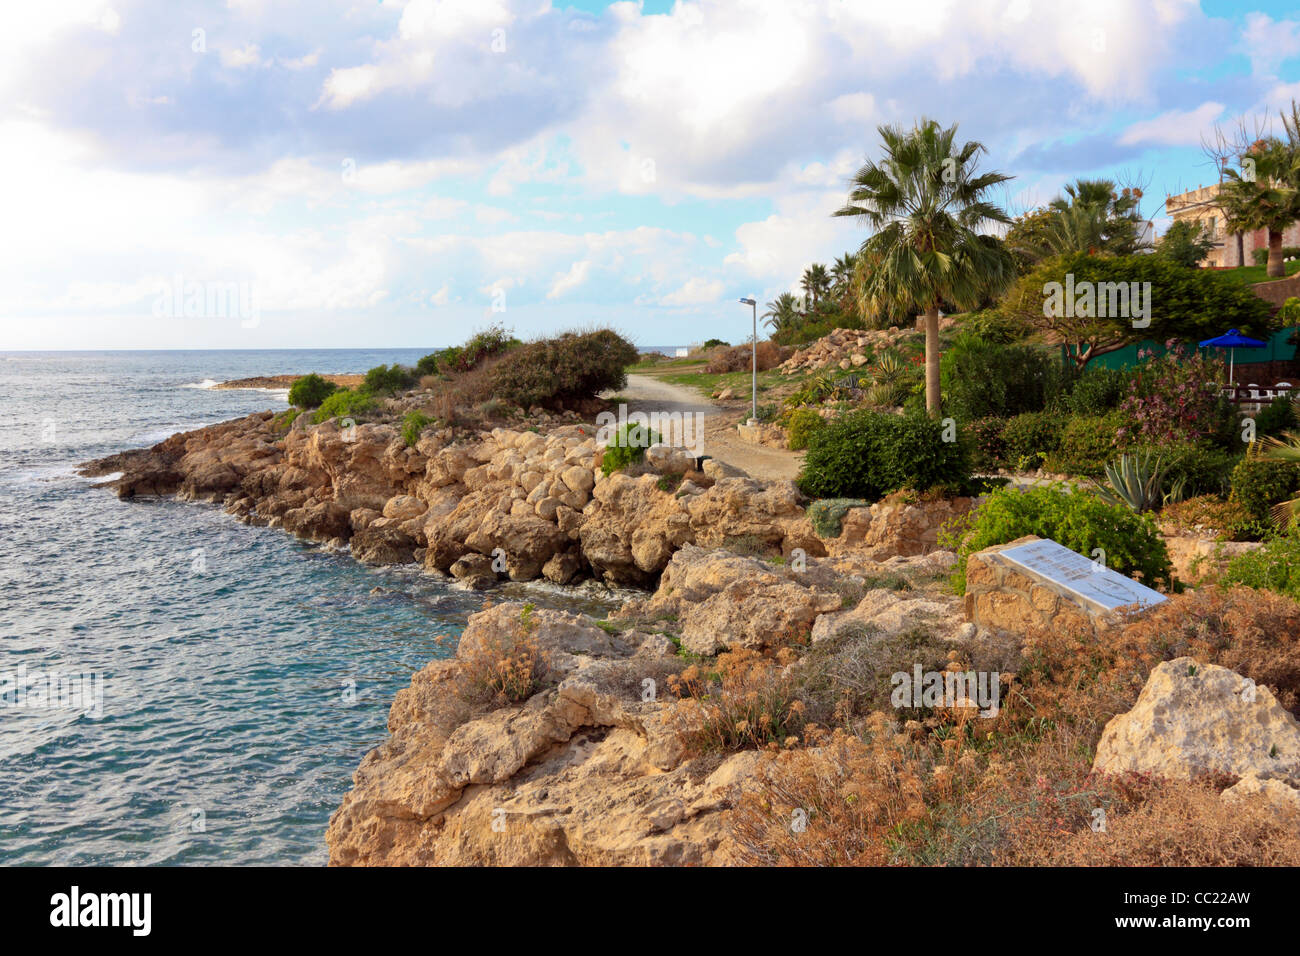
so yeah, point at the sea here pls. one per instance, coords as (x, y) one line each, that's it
(177, 687)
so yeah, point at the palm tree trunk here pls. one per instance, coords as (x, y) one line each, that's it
(1241, 251)
(932, 402)
(1275, 269)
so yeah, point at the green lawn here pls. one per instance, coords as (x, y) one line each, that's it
(1249, 275)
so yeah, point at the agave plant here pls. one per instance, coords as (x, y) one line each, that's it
(889, 366)
(1136, 480)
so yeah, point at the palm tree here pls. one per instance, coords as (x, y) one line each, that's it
(783, 313)
(1093, 217)
(925, 203)
(1264, 195)
(815, 282)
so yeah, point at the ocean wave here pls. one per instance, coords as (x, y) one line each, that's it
(206, 383)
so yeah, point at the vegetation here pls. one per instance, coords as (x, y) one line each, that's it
(924, 202)
(868, 454)
(412, 425)
(627, 446)
(1184, 304)
(803, 424)
(1079, 520)
(564, 371)
(345, 403)
(389, 379)
(1274, 567)
(827, 514)
(310, 390)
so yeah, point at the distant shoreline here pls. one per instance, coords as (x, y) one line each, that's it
(286, 381)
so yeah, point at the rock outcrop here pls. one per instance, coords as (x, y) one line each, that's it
(586, 771)
(1194, 719)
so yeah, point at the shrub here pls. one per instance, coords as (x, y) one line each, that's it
(804, 423)
(868, 454)
(481, 345)
(345, 403)
(412, 425)
(428, 365)
(714, 343)
(1277, 417)
(507, 667)
(1087, 444)
(984, 439)
(827, 514)
(563, 371)
(627, 446)
(749, 702)
(1204, 469)
(1096, 391)
(1259, 483)
(981, 379)
(1033, 435)
(389, 379)
(1274, 567)
(741, 358)
(1210, 514)
(310, 390)
(1176, 398)
(1076, 519)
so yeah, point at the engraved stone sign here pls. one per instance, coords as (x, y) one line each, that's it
(1036, 582)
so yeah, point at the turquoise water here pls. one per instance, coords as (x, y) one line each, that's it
(244, 673)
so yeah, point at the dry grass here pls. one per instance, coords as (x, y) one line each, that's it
(1017, 789)
(507, 668)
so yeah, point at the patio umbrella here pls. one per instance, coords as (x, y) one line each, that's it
(1233, 340)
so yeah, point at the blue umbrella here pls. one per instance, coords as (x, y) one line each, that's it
(1233, 340)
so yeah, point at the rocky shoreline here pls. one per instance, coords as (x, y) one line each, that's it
(553, 738)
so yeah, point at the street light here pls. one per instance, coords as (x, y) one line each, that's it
(753, 304)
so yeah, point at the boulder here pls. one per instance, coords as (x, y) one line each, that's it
(1193, 719)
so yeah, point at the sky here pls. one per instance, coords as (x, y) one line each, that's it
(322, 173)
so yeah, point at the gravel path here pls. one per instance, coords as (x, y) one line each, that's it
(645, 393)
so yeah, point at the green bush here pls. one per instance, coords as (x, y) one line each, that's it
(481, 345)
(389, 379)
(1205, 469)
(1274, 567)
(1076, 519)
(869, 454)
(827, 514)
(428, 365)
(714, 343)
(804, 423)
(1087, 444)
(1260, 483)
(1031, 436)
(412, 425)
(310, 390)
(345, 403)
(982, 379)
(1276, 417)
(563, 371)
(627, 445)
(984, 441)
(1096, 392)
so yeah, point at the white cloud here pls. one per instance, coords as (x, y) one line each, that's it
(1175, 127)
(250, 54)
(568, 281)
(1268, 42)
(695, 291)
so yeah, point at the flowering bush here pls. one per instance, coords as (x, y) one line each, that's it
(1176, 398)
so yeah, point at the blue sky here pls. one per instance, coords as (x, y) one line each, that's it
(402, 173)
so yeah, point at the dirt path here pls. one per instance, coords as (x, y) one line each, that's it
(646, 393)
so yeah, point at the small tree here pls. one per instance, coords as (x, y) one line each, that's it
(310, 390)
(1185, 243)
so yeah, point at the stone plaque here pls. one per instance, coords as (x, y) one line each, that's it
(1094, 586)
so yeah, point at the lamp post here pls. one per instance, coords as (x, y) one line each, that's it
(753, 304)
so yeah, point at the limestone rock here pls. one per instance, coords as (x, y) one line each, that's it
(1198, 718)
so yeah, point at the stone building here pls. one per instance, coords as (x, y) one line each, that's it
(1199, 206)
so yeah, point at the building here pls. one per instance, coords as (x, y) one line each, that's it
(1198, 206)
